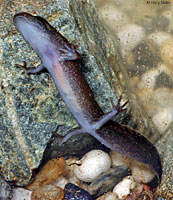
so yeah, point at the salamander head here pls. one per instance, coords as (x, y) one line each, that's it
(40, 35)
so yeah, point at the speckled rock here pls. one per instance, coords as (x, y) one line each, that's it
(31, 107)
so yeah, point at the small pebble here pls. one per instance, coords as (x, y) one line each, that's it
(135, 193)
(73, 192)
(164, 80)
(162, 119)
(159, 96)
(48, 192)
(5, 190)
(123, 189)
(113, 17)
(166, 52)
(92, 165)
(141, 173)
(130, 36)
(50, 172)
(21, 194)
(162, 106)
(148, 79)
(159, 37)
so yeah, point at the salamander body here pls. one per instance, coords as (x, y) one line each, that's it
(58, 57)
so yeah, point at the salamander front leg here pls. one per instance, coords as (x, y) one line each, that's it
(31, 69)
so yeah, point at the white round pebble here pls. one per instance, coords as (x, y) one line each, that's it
(162, 119)
(159, 37)
(141, 173)
(113, 17)
(160, 107)
(148, 79)
(166, 52)
(92, 165)
(130, 36)
(163, 96)
(123, 189)
(21, 194)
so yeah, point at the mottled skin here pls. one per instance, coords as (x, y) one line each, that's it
(58, 57)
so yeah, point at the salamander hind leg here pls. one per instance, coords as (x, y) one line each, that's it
(72, 133)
